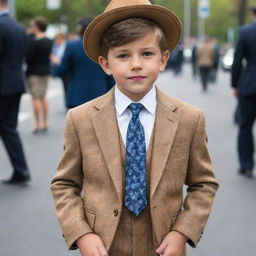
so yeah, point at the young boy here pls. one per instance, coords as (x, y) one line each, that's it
(128, 154)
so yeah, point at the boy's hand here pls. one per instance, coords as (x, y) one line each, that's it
(172, 245)
(91, 245)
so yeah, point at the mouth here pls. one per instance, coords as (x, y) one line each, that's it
(136, 78)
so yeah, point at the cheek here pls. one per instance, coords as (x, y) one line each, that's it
(155, 69)
(117, 76)
(119, 71)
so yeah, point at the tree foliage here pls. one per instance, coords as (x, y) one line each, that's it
(224, 13)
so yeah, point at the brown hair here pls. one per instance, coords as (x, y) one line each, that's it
(4, 2)
(82, 24)
(41, 23)
(129, 30)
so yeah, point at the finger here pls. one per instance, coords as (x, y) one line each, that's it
(161, 248)
(102, 251)
(166, 252)
(97, 253)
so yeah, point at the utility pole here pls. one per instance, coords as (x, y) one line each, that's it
(187, 18)
(203, 14)
(12, 8)
(242, 8)
(201, 27)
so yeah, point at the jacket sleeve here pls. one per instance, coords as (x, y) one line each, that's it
(236, 69)
(201, 190)
(1, 40)
(66, 188)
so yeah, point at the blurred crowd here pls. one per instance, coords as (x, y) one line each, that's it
(39, 57)
(204, 56)
(84, 80)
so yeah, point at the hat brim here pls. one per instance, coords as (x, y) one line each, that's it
(166, 19)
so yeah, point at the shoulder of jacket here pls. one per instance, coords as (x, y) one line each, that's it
(245, 27)
(85, 110)
(184, 106)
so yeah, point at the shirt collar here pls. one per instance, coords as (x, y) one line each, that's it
(148, 101)
(6, 11)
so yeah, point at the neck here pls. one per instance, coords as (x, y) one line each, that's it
(40, 34)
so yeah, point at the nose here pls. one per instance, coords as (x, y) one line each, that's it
(136, 63)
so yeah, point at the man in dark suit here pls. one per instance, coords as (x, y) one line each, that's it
(87, 80)
(12, 51)
(244, 84)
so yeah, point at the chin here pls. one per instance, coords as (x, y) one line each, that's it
(140, 89)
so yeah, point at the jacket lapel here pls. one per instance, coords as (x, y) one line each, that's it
(166, 124)
(106, 129)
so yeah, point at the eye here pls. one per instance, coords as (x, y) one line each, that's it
(122, 56)
(147, 54)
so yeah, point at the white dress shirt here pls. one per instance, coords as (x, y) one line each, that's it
(5, 11)
(146, 116)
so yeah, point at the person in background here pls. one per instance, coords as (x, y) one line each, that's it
(58, 49)
(12, 53)
(176, 59)
(243, 81)
(193, 61)
(38, 71)
(86, 78)
(72, 36)
(214, 72)
(205, 56)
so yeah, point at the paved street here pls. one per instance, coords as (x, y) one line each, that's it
(28, 226)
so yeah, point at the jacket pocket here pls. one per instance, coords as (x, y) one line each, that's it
(91, 216)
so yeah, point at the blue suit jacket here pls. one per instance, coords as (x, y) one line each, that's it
(12, 52)
(86, 79)
(245, 79)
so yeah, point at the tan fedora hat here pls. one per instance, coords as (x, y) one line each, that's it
(119, 10)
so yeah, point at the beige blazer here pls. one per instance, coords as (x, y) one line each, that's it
(87, 187)
(205, 55)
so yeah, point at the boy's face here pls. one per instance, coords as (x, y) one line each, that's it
(135, 66)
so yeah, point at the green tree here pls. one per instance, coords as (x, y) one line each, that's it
(222, 18)
(224, 13)
(28, 9)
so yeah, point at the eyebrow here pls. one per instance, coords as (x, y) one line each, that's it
(127, 50)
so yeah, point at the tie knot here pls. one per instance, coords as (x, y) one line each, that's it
(135, 108)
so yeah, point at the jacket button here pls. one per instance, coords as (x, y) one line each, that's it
(115, 213)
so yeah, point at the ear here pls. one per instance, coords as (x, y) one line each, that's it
(164, 60)
(104, 65)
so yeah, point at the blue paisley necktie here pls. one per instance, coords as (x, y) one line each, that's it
(135, 177)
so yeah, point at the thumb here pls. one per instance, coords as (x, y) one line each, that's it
(161, 248)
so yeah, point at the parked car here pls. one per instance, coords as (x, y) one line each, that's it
(227, 59)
